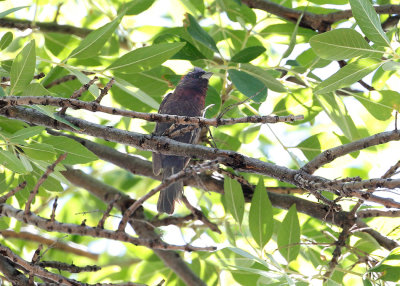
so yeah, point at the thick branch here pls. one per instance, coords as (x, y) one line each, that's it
(316, 22)
(43, 27)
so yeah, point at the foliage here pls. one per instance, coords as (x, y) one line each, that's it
(263, 63)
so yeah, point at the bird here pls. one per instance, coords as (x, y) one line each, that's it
(188, 99)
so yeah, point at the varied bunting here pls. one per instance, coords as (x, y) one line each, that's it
(188, 99)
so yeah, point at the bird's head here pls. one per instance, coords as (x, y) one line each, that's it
(196, 79)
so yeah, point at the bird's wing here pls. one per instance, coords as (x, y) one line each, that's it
(157, 163)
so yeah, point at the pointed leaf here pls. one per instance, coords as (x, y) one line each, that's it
(369, 22)
(23, 68)
(40, 151)
(248, 54)
(260, 216)
(289, 235)
(12, 10)
(94, 42)
(234, 198)
(146, 58)
(341, 44)
(348, 75)
(198, 33)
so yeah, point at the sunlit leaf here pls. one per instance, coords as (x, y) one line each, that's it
(146, 58)
(94, 42)
(348, 75)
(23, 68)
(369, 22)
(340, 44)
(6, 40)
(260, 215)
(289, 235)
(234, 198)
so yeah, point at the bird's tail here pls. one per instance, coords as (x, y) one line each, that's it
(169, 195)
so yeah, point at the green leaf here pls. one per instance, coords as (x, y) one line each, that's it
(213, 98)
(293, 38)
(40, 151)
(12, 10)
(84, 79)
(391, 66)
(289, 235)
(197, 32)
(248, 85)
(341, 44)
(6, 40)
(77, 153)
(380, 104)
(339, 114)
(25, 133)
(11, 162)
(264, 76)
(369, 21)
(136, 7)
(234, 198)
(23, 68)
(94, 42)
(136, 93)
(389, 266)
(248, 134)
(310, 147)
(146, 58)
(35, 89)
(50, 111)
(348, 75)
(260, 215)
(248, 54)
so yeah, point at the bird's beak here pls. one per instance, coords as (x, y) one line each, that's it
(207, 75)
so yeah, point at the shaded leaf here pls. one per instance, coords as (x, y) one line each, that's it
(50, 111)
(135, 92)
(40, 151)
(248, 85)
(197, 32)
(248, 54)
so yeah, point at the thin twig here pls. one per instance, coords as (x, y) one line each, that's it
(41, 180)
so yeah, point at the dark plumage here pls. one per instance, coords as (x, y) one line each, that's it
(188, 99)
